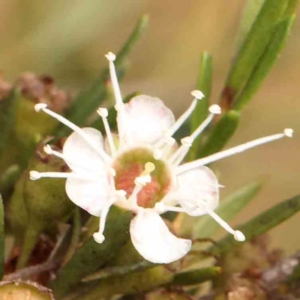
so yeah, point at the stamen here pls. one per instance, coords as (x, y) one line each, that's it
(35, 175)
(98, 236)
(198, 96)
(103, 114)
(238, 235)
(164, 152)
(181, 152)
(140, 182)
(238, 149)
(42, 106)
(113, 75)
(48, 150)
(187, 142)
(121, 118)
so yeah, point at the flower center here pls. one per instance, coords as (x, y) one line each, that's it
(130, 165)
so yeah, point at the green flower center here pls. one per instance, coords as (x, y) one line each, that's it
(130, 165)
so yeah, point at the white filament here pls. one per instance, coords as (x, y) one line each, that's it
(43, 107)
(239, 236)
(238, 149)
(103, 114)
(198, 96)
(187, 142)
(35, 175)
(120, 108)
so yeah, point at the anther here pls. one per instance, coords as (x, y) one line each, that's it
(103, 112)
(34, 175)
(215, 109)
(288, 132)
(187, 141)
(48, 150)
(239, 236)
(110, 56)
(149, 167)
(197, 94)
(40, 106)
(98, 237)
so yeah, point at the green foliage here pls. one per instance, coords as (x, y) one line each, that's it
(7, 118)
(90, 99)
(2, 245)
(259, 50)
(91, 256)
(266, 61)
(87, 270)
(260, 224)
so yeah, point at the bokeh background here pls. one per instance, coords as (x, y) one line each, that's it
(68, 39)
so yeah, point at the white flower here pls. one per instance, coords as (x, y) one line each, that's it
(140, 170)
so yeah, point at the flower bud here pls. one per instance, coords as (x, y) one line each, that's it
(46, 203)
(16, 290)
(30, 90)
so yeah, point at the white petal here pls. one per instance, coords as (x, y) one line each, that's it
(80, 156)
(196, 190)
(148, 118)
(89, 195)
(154, 241)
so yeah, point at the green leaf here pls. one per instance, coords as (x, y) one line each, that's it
(204, 85)
(88, 100)
(227, 210)
(253, 48)
(91, 256)
(221, 133)
(196, 276)
(7, 118)
(76, 230)
(2, 250)
(8, 179)
(118, 270)
(133, 283)
(260, 224)
(265, 63)
(250, 12)
(291, 8)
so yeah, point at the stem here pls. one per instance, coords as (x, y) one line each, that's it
(31, 237)
(27, 272)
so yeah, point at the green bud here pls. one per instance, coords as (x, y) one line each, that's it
(46, 201)
(134, 283)
(29, 127)
(17, 290)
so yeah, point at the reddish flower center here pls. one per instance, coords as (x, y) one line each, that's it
(130, 165)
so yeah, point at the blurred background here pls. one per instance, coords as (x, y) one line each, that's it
(68, 39)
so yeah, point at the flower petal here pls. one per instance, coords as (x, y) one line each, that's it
(195, 190)
(148, 119)
(91, 196)
(80, 156)
(154, 241)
